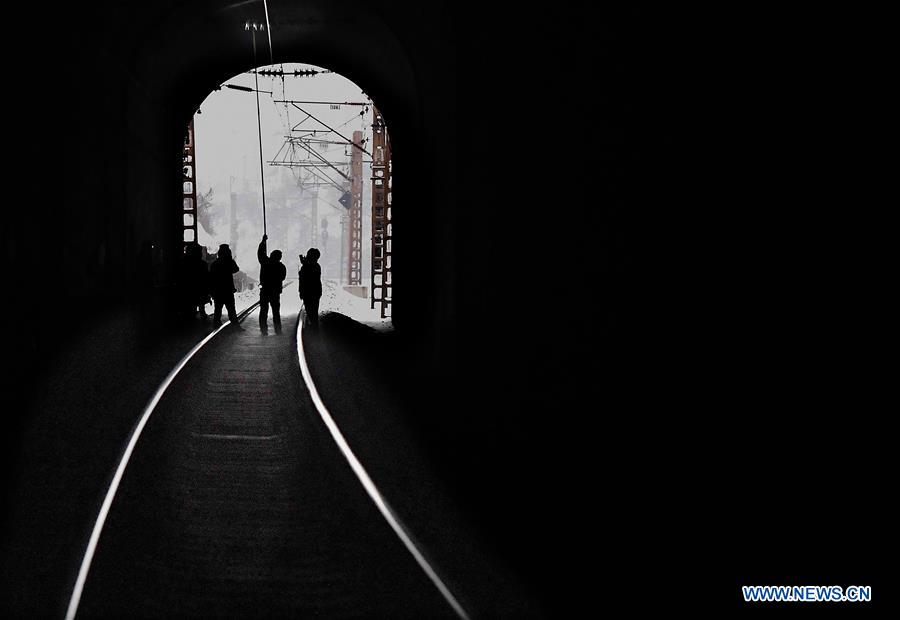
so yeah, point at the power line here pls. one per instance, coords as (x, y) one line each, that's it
(360, 147)
(313, 153)
(319, 173)
(293, 164)
(359, 103)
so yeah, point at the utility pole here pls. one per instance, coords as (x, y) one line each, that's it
(344, 225)
(354, 259)
(189, 188)
(381, 214)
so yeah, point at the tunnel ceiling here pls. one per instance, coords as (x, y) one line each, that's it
(194, 47)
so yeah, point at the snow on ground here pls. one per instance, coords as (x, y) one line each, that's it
(243, 300)
(334, 299)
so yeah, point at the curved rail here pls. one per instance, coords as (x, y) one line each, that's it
(91, 549)
(369, 486)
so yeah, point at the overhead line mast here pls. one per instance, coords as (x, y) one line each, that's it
(381, 218)
(189, 188)
(354, 258)
(381, 215)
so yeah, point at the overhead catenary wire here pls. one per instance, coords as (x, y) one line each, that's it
(337, 103)
(309, 150)
(327, 180)
(306, 158)
(319, 174)
(304, 143)
(360, 147)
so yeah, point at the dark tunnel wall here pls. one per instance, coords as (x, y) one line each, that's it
(594, 380)
(134, 77)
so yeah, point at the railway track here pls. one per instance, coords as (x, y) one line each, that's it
(237, 494)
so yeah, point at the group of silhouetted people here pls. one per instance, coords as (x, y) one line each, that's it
(200, 284)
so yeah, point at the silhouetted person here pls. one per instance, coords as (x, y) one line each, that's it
(221, 284)
(310, 285)
(195, 280)
(271, 276)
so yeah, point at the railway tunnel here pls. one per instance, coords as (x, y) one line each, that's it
(525, 418)
(126, 83)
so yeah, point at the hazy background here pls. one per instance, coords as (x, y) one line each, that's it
(227, 156)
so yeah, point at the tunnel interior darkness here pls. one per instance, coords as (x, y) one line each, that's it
(135, 75)
(134, 85)
(711, 256)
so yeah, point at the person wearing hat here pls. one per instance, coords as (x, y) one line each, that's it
(310, 285)
(272, 273)
(221, 284)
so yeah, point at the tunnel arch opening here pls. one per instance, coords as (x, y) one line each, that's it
(189, 51)
(309, 165)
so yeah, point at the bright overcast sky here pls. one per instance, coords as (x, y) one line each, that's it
(226, 130)
(227, 151)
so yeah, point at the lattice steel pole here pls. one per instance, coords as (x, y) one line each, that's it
(354, 262)
(189, 188)
(381, 214)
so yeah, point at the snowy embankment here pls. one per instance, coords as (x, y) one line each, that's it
(243, 300)
(336, 299)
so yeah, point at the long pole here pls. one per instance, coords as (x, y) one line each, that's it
(343, 241)
(262, 177)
